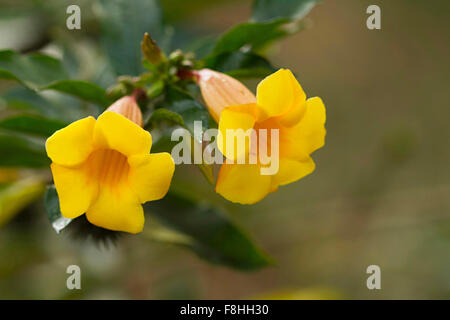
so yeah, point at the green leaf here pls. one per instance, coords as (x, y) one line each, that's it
(165, 144)
(201, 47)
(265, 10)
(206, 231)
(17, 195)
(32, 124)
(240, 64)
(16, 151)
(55, 106)
(191, 110)
(156, 89)
(52, 204)
(271, 20)
(30, 101)
(40, 72)
(160, 115)
(250, 36)
(124, 23)
(193, 145)
(34, 70)
(82, 89)
(53, 211)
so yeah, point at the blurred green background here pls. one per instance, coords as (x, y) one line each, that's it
(379, 195)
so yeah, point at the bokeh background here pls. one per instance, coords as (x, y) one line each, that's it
(380, 193)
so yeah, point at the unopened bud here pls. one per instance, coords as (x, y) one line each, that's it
(220, 90)
(127, 107)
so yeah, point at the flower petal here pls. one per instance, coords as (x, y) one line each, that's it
(292, 170)
(150, 175)
(279, 93)
(243, 183)
(71, 145)
(232, 119)
(75, 189)
(114, 131)
(299, 141)
(117, 209)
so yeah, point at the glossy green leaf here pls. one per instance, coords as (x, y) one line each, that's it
(250, 36)
(82, 89)
(265, 10)
(271, 20)
(41, 72)
(27, 100)
(165, 144)
(240, 64)
(32, 124)
(34, 70)
(206, 231)
(52, 204)
(201, 47)
(124, 23)
(17, 151)
(53, 211)
(182, 103)
(191, 110)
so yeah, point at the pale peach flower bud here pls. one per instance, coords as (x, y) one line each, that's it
(127, 107)
(220, 90)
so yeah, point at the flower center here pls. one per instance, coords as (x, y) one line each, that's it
(265, 136)
(108, 167)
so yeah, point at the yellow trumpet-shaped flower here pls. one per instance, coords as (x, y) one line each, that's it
(280, 104)
(104, 168)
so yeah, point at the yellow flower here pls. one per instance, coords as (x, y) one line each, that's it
(280, 104)
(104, 168)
